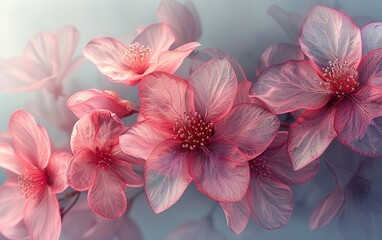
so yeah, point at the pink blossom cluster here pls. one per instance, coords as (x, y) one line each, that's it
(243, 143)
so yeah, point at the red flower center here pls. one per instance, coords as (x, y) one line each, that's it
(260, 169)
(340, 78)
(193, 131)
(105, 160)
(31, 182)
(137, 57)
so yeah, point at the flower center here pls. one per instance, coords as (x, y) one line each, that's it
(31, 182)
(260, 169)
(105, 160)
(193, 131)
(340, 78)
(137, 57)
(360, 188)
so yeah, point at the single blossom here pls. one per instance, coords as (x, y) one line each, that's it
(99, 165)
(81, 223)
(47, 60)
(192, 131)
(28, 205)
(340, 91)
(357, 197)
(200, 230)
(183, 19)
(148, 52)
(269, 198)
(93, 99)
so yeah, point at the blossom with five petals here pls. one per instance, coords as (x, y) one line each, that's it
(28, 205)
(193, 131)
(340, 90)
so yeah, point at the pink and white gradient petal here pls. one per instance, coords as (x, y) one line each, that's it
(57, 170)
(371, 37)
(127, 174)
(270, 202)
(370, 69)
(166, 175)
(165, 98)
(310, 135)
(12, 204)
(141, 139)
(9, 160)
(18, 231)
(30, 140)
(42, 216)
(251, 127)
(107, 196)
(82, 170)
(215, 88)
(329, 207)
(289, 87)
(220, 171)
(237, 214)
(328, 34)
(358, 121)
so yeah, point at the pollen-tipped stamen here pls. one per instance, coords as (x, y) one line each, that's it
(137, 57)
(260, 169)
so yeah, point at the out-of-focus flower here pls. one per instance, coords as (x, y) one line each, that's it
(357, 196)
(183, 19)
(28, 205)
(192, 131)
(197, 230)
(269, 197)
(99, 165)
(47, 60)
(149, 52)
(81, 223)
(93, 99)
(341, 93)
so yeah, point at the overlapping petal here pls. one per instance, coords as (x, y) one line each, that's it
(82, 170)
(57, 169)
(371, 37)
(237, 214)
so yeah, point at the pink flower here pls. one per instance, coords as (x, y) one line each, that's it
(28, 205)
(149, 52)
(93, 99)
(99, 165)
(183, 19)
(269, 198)
(192, 131)
(341, 93)
(47, 60)
(357, 196)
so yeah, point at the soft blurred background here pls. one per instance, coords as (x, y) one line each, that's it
(242, 28)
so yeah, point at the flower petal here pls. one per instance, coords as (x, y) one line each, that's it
(327, 35)
(219, 171)
(31, 141)
(158, 37)
(251, 127)
(82, 170)
(126, 173)
(183, 23)
(18, 231)
(370, 69)
(237, 214)
(371, 37)
(277, 54)
(57, 169)
(141, 139)
(9, 160)
(164, 98)
(96, 129)
(166, 175)
(282, 168)
(42, 216)
(107, 197)
(271, 202)
(43, 49)
(358, 121)
(215, 88)
(289, 87)
(108, 55)
(130, 231)
(169, 61)
(327, 209)
(208, 54)
(67, 40)
(310, 135)
(12, 204)
(354, 223)
(93, 99)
